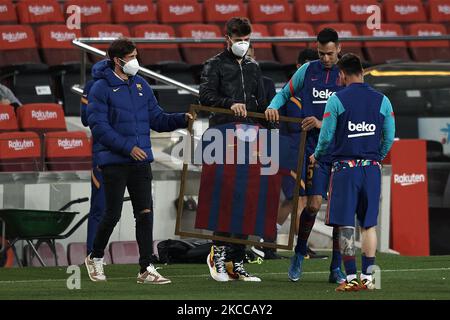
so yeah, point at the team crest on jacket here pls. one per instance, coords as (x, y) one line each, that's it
(139, 86)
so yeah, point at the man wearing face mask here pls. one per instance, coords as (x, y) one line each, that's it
(232, 80)
(121, 111)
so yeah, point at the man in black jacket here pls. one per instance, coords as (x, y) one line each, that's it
(231, 80)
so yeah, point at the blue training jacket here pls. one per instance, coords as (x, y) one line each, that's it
(311, 85)
(360, 121)
(120, 115)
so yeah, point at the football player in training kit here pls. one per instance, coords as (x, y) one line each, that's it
(311, 86)
(360, 122)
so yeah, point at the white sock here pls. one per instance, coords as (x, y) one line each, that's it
(350, 277)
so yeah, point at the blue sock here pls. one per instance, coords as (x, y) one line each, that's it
(336, 259)
(350, 264)
(366, 263)
(307, 220)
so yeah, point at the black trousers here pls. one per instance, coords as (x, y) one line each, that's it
(137, 178)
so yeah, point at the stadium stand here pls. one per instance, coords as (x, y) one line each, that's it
(176, 12)
(133, 12)
(76, 253)
(92, 11)
(41, 117)
(55, 43)
(287, 53)
(67, 150)
(404, 11)
(124, 252)
(385, 51)
(39, 11)
(18, 45)
(439, 11)
(194, 53)
(316, 11)
(265, 52)
(429, 50)
(156, 53)
(8, 120)
(7, 12)
(269, 11)
(20, 151)
(21, 65)
(355, 11)
(220, 11)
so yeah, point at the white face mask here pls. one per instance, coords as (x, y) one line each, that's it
(131, 67)
(240, 48)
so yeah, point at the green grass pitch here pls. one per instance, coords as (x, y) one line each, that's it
(401, 278)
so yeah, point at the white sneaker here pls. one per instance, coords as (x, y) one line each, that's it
(152, 276)
(236, 271)
(366, 283)
(95, 268)
(216, 264)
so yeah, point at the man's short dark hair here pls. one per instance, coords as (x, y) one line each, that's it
(238, 26)
(120, 48)
(350, 64)
(306, 55)
(327, 35)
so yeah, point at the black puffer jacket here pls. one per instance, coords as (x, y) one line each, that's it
(224, 82)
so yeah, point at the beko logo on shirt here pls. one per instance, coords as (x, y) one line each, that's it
(322, 94)
(364, 129)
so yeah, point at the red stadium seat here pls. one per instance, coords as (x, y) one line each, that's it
(346, 30)
(18, 45)
(198, 53)
(20, 151)
(76, 253)
(263, 51)
(124, 252)
(316, 11)
(356, 10)
(48, 257)
(133, 11)
(7, 12)
(92, 11)
(67, 150)
(439, 11)
(287, 53)
(179, 11)
(151, 54)
(428, 50)
(41, 117)
(55, 41)
(220, 11)
(39, 11)
(384, 51)
(403, 11)
(105, 31)
(8, 120)
(269, 11)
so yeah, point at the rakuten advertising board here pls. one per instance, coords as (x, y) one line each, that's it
(409, 198)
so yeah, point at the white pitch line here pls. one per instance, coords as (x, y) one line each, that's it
(207, 275)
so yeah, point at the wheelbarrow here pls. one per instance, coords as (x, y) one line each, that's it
(41, 225)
